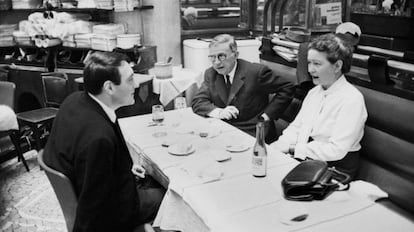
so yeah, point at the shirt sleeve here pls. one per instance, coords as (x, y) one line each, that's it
(348, 129)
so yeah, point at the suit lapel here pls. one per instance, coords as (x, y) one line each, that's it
(221, 87)
(238, 82)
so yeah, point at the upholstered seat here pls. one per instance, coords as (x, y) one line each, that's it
(55, 88)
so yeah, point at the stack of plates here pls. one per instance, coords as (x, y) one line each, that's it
(69, 41)
(83, 40)
(26, 4)
(86, 4)
(105, 4)
(127, 41)
(111, 29)
(22, 38)
(125, 5)
(6, 34)
(103, 42)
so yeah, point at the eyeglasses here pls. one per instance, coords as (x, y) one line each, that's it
(220, 57)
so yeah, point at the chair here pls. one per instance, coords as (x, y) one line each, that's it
(55, 88)
(66, 196)
(64, 191)
(7, 90)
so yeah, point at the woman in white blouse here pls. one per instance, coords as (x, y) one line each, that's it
(330, 123)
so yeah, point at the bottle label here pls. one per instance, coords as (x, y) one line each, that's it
(259, 165)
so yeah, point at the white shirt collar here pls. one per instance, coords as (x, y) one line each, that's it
(336, 85)
(232, 72)
(110, 112)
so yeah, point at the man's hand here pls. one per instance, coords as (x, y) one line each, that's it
(229, 112)
(138, 171)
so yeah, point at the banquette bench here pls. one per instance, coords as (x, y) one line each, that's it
(387, 155)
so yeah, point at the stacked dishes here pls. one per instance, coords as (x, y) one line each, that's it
(26, 4)
(125, 5)
(22, 38)
(104, 4)
(6, 34)
(104, 37)
(127, 41)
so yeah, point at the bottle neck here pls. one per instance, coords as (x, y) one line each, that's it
(260, 139)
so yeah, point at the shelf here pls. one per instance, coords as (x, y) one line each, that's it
(144, 7)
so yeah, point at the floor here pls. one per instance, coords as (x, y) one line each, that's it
(27, 200)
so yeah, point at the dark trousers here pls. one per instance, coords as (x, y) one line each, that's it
(150, 194)
(349, 164)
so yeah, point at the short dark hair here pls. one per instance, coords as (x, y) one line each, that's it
(335, 48)
(224, 38)
(101, 67)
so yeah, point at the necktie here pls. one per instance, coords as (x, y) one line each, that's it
(228, 84)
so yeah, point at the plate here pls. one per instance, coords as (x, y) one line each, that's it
(237, 148)
(181, 149)
(222, 156)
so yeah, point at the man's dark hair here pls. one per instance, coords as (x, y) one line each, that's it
(101, 67)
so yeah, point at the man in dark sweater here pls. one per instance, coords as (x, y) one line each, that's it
(86, 144)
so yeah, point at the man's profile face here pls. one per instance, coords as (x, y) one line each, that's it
(124, 92)
(222, 58)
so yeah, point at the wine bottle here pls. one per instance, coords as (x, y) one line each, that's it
(259, 159)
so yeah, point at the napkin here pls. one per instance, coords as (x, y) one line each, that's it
(195, 170)
(367, 190)
(184, 129)
(202, 167)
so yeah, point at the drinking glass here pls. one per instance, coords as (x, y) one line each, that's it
(158, 114)
(158, 118)
(180, 103)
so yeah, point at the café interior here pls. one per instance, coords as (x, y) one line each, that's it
(167, 41)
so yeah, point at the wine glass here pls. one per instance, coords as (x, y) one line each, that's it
(158, 118)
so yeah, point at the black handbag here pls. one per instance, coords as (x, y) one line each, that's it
(313, 180)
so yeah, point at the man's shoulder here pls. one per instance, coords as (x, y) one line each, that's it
(247, 66)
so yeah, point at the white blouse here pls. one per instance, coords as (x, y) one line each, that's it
(334, 119)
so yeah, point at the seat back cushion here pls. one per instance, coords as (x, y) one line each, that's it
(387, 155)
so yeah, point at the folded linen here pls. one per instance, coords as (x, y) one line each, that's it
(367, 190)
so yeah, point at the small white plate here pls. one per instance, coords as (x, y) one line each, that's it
(180, 149)
(221, 156)
(237, 148)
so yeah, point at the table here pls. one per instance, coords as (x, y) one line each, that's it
(235, 200)
(182, 80)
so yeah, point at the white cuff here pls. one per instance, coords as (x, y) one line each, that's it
(215, 113)
(265, 117)
(280, 146)
(300, 151)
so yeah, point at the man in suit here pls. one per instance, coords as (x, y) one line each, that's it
(237, 91)
(86, 144)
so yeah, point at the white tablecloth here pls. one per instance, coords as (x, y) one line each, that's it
(182, 79)
(235, 200)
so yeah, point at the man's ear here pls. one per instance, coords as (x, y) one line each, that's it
(108, 87)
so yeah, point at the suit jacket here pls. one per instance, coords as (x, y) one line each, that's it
(88, 148)
(249, 93)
